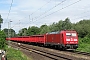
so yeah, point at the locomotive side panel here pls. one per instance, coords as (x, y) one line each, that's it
(53, 39)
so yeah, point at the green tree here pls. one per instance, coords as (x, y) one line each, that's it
(28, 31)
(11, 32)
(44, 29)
(67, 24)
(2, 40)
(59, 25)
(54, 27)
(1, 21)
(23, 32)
(33, 30)
(83, 28)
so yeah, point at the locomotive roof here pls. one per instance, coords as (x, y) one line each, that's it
(57, 32)
(54, 32)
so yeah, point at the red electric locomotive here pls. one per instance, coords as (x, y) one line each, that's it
(67, 39)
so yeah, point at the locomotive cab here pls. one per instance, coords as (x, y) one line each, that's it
(71, 39)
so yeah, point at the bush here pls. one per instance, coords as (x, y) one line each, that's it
(84, 47)
(84, 44)
(86, 40)
(2, 40)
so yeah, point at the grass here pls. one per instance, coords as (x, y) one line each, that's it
(13, 54)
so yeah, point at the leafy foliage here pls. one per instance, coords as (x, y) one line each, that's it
(1, 21)
(2, 40)
(66, 24)
(44, 29)
(23, 32)
(11, 32)
(83, 28)
(84, 44)
(33, 31)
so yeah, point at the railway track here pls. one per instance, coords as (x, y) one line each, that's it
(46, 54)
(83, 53)
(78, 52)
(43, 53)
(50, 53)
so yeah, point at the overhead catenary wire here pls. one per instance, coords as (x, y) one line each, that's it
(30, 14)
(84, 16)
(51, 9)
(37, 10)
(81, 14)
(64, 7)
(9, 9)
(45, 11)
(8, 13)
(17, 23)
(41, 7)
(60, 9)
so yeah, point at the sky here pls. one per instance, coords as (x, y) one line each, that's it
(27, 13)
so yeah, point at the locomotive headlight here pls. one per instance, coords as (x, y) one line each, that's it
(67, 39)
(75, 39)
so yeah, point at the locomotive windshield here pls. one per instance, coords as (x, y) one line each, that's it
(71, 34)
